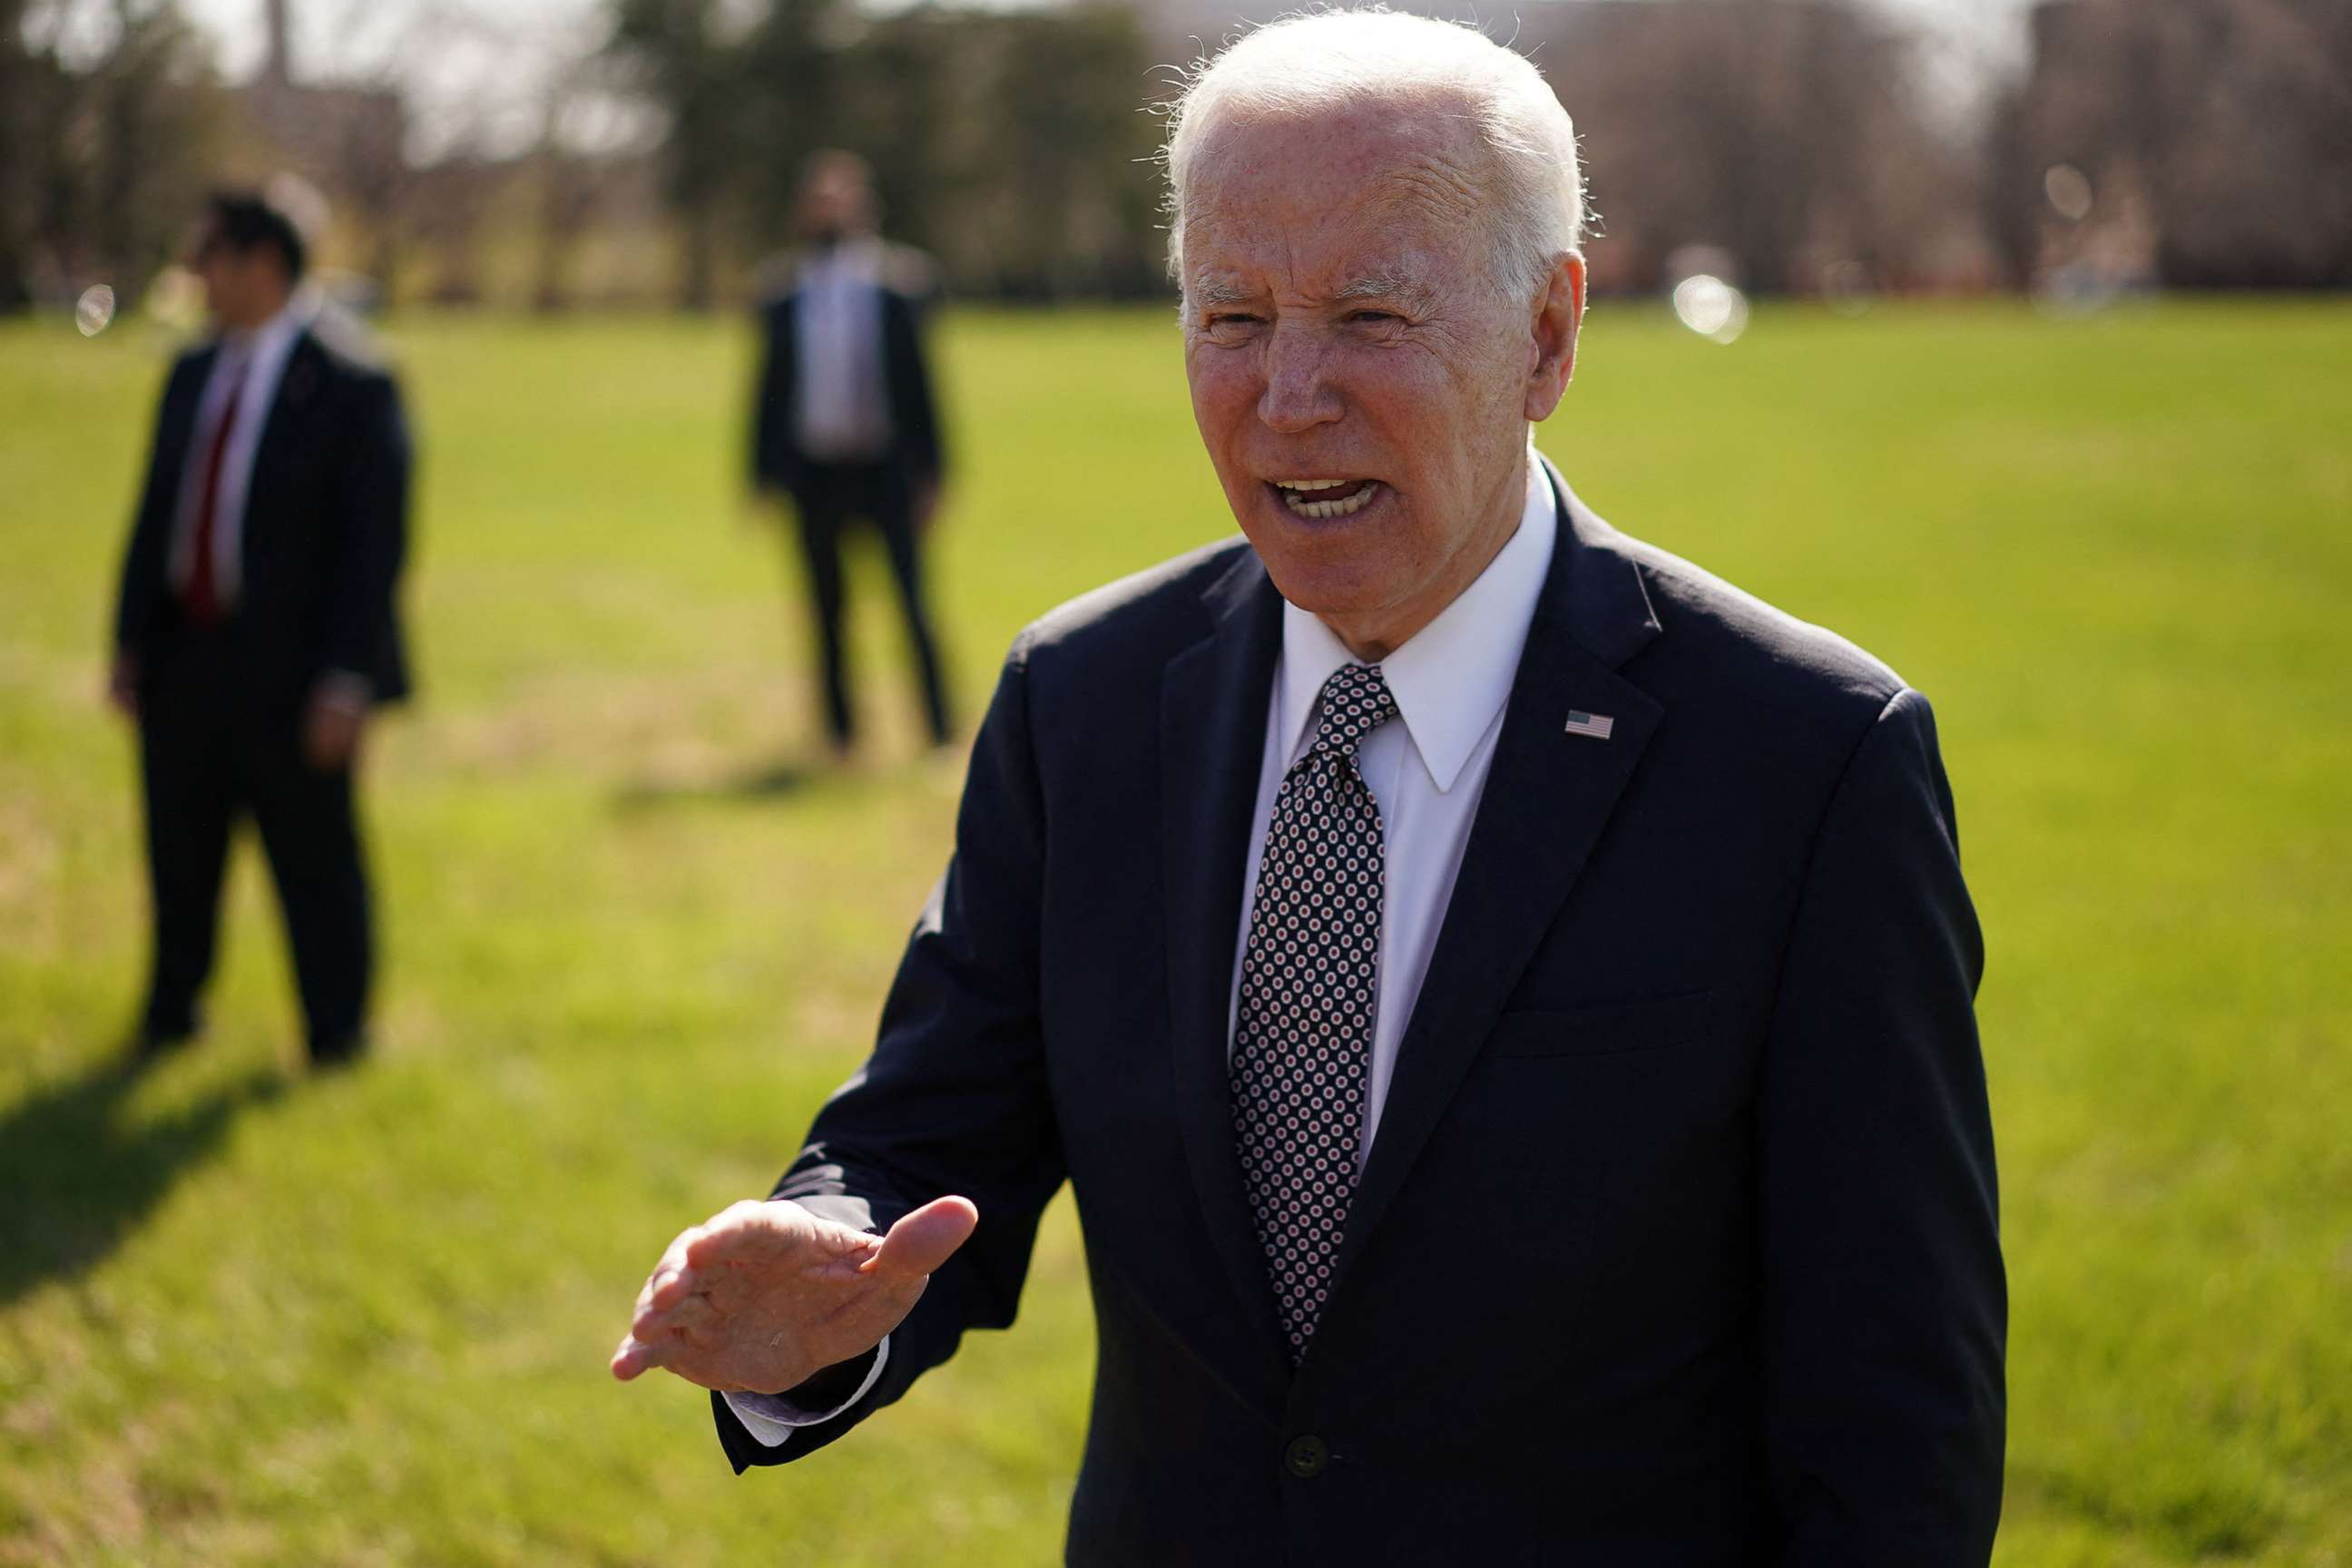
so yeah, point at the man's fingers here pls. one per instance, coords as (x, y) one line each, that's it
(925, 1239)
(634, 1358)
(751, 1225)
(673, 1260)
(670, 1285)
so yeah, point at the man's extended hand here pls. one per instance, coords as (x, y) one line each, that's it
(765, 1295)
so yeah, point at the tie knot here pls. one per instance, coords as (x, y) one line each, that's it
(1356, 701)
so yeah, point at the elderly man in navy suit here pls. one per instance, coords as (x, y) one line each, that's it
(1502, 997)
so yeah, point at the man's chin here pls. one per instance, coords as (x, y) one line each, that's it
(1327, 591)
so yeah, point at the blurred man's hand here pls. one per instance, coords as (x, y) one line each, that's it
(122, 685)
(331, 731)
(766, 1295)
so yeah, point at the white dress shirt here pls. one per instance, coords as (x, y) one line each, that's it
(250, 364)
(844, 411)
(1426, 769)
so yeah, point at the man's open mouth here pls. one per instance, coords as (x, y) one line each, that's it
(1325, 498)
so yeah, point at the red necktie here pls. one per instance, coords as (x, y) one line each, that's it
(202, 595)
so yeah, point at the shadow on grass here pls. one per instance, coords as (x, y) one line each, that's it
(81, 1175)
(772, 782)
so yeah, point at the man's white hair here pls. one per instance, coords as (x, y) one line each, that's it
(1323, 59)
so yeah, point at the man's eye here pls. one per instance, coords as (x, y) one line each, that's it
(1230, 319)
(1374, 316)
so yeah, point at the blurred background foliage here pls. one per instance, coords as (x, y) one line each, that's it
(576, 152)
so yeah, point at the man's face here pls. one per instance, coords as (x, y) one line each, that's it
(1340, 325)
(836, 203)
(242, 287)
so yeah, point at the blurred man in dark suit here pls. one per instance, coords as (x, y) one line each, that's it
(256, 626)
(842, 420)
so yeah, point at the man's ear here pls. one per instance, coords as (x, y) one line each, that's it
(1553, 322)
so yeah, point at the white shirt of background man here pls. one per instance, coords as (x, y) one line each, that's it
(250, 364)
(1427, 771)
(843, 416)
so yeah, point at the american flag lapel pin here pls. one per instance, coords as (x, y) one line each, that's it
(1595, 726)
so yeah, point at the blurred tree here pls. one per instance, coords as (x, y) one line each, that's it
(1783, 132)
(687, 62)
(29, 85)
(2222, 128)
(1009, 145)
(1077, 191)
(1005, 142)
(566, 200)
(108, 114)
(911, 116)
(799, 63)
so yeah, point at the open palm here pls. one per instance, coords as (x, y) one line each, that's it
(764, 1295)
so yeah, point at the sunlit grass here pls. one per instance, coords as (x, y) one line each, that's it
(246, 1317)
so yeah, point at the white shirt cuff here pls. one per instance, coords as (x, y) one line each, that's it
(771, 1418)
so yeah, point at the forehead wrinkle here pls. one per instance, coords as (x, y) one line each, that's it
(1435, 189)
(1219, 288)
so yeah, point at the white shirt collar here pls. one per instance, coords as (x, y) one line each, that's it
(1451, 679)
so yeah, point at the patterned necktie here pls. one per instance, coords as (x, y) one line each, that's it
(1302, 1028)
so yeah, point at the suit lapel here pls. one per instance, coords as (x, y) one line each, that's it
(1548, 795)
(1212, 718)
(298, 385)
(191, 402)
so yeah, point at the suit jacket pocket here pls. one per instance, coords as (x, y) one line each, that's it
(1602, 1028)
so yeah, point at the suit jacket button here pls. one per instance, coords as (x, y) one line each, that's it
(1306, 1457)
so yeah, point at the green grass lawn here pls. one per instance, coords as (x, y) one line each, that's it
(248, 1318)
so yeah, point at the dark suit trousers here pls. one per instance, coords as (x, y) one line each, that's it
(207, 759)
(830, 496)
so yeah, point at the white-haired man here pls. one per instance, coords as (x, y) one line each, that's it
(1503, 998)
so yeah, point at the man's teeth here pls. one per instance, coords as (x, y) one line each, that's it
(1340, 507)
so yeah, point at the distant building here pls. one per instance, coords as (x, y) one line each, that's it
(349, 141)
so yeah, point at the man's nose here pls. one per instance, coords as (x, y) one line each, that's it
(1299, 395)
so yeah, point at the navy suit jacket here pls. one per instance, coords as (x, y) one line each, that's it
(325, 530)
(1677, 1243)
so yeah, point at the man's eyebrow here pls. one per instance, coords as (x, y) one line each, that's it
(1383, 285)
(1372, 286)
